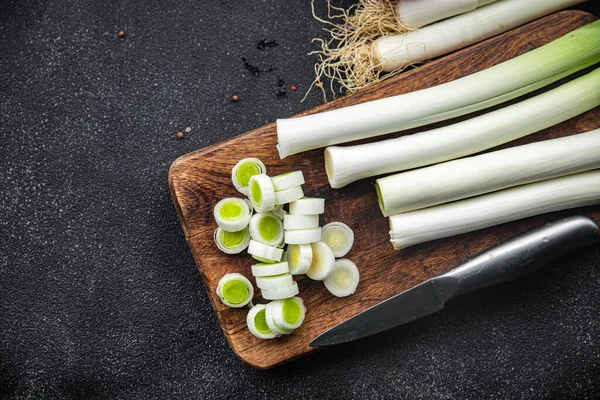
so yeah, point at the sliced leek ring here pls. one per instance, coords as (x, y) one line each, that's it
(307, 206)
(262, 194)
(232, 214)
(279, 211)
(232, 242)
(280, 293)
(339, 237)
(270, 320)
(344, 278)
(322, 263)
(299, 258)
(266, 228)
(295, 221)
(264, 252)
(288, 195)
(257, 323)
(244, 170)
(275, 281)
(288, 313)
(302, 236)
(288, 180)
(270, 269)
(235, 290)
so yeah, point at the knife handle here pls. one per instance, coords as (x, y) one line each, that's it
(518, 256)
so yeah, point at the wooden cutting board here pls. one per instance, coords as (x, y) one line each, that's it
(199, 179)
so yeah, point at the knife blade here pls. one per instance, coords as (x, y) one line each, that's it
(509, 260)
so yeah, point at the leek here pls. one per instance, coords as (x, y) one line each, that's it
(495, 208)
(299, 258)
(322, 262)
(264, 252)
(307, 206)
(265, 269)
(344, 278)
(232, 242)
(288, 313)
(350, 163)
(287, 180)
(262, 193)
(302, 236)
(274, 281)
(339, 237)
(472, 176)
(295, 221)
(244, 170)
(283, 292)
(288, 195)
(570, 53)
(232, 214)
(257, 323)
(266, 228)
(235, 290)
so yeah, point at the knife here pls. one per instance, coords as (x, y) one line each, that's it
(502, 263)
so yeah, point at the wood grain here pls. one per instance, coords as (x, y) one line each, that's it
(199, 179)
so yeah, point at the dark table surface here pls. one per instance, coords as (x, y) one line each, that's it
(99, 294)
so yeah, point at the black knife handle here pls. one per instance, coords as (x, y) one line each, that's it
(517, 256)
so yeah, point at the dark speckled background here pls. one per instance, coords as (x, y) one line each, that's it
(99, 294)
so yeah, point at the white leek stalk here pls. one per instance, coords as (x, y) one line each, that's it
(350, 163)
(235, 290)
(257, 323)
(307, 206)
(344, 278)
(417, 13)
(288, 180)
(472, 176)
(302, 236)
(495, 208)
(274, 281)
(295, 221)
(397, 51)
(262, 193)
(573, 52)
(288, 195)
(264, 252)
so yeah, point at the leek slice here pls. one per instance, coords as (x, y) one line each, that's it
(339, 237)
(302, 236)
(235, 290)
(288, 313)
(270, 269)
(275, 281)
(307, 206)
(280, 293)
(294, 221)
(232, 214)
(257, 323)
(288, 195)
(262, 194)
(344, 278)
(322, 263)
(299, 257)
(232, 242)
(266, 228)
(264, 252)
(288, 180)
(270, 320)
(244, 170)
(279, 211)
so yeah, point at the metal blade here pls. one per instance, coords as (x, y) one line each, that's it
(407, 306)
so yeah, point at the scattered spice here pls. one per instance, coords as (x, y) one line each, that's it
(235, 97)
(294, 88)
(179, 135)
(121, 33)
(188, 129)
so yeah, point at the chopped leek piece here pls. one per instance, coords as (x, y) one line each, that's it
(294, 221)
(266, 228)
(299, 258)
(288, 195)
(232, 242)
(307, 206)
(262, 193)
(270, 320)
(343, 279)
(232, 214)
(302, 236)
(264, 252)
(257, 323)
(288, 313)
(244, 170)
(339, 237)
(235, 290)
(280, 293)
(275, 281)
(279, 211)
(270, 269)
(322, 263)
(288, 180)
